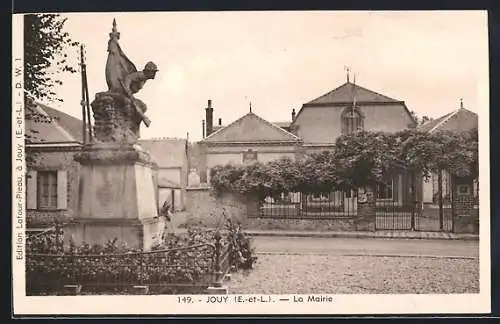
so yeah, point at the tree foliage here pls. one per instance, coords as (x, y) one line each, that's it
(46, 46)
(358, 160)
(420, 120)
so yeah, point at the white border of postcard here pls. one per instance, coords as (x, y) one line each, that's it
(169, 305)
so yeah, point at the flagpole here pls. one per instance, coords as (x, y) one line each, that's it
(82, 103)
(87, 100)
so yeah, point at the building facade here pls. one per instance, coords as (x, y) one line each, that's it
(171, 172)
(458, 120)
(53, 176)
(315, 128)
(247, 139)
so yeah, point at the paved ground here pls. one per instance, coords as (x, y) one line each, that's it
(300, 265)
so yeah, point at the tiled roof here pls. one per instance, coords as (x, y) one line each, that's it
(433, 123)
(344, 94)
(71, 124)
(216, 128)
(59, 128)
(251, 128)
(167, 152)
(459, 120)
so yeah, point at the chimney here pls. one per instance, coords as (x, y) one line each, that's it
(220, 121)
(293, 115)
(209, 117)
(203, 129)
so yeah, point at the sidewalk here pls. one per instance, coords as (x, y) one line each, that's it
(359, 234)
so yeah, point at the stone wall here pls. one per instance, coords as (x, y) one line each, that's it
(466, 216)
(55, 160)
(204, 209)
(340, 224)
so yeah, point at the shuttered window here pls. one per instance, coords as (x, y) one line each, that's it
(50, 191)
(47, 190)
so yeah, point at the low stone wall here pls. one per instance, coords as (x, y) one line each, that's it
(204, 209)
(341, 224)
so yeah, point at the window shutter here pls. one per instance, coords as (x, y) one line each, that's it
(62, 190)
(31, 190)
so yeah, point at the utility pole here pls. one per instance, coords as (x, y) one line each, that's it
(87, 124)
(82, 102)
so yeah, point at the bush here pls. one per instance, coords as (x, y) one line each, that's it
(241, 249)
(186, 258)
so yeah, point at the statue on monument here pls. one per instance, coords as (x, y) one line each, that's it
(117, 113)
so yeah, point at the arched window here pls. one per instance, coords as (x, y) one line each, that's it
(352, 120)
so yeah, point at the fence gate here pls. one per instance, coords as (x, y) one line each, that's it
(438, 216)
(409, 213)
(393, 215)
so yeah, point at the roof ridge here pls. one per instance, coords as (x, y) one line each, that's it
(386, 99)
(224, 127)
(446, 118)
(326, 94)
(276, 126)
(377, 93)
(260, 118)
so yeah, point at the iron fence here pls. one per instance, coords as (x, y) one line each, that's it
(192, 269)
(328, 205)
(394, 215)
(393, 212)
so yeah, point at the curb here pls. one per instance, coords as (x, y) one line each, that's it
(376, 255)
(362, 235)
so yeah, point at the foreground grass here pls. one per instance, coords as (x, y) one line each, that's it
(333, 274)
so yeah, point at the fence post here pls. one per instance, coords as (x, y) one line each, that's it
(413, 198)
(59, 241)
(75, 286)
(440, 198)
(452, 197)
(217, 270)
(141, 270)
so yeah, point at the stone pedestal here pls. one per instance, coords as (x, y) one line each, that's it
(116, 197)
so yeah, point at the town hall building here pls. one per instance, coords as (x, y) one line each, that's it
(314, 128)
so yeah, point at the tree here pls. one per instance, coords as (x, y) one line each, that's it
(420, 120)
(366, 157)
(359, 160)
(46, 46)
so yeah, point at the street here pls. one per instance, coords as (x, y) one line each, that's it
(300, 265)
(374, 247)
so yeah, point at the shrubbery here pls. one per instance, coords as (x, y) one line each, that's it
(186, 258)
(358, 160)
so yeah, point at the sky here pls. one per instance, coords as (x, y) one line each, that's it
(281, 60)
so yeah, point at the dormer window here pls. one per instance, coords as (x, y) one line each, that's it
(352, 120)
